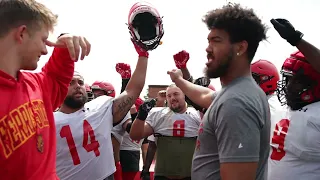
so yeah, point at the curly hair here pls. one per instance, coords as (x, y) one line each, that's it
(240, 23)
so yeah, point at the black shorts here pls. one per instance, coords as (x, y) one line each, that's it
(129, 160)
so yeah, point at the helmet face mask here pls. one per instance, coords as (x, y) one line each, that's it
(300, 84)
(145, 26)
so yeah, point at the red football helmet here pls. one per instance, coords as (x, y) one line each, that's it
(266, 75)
(310, 92)
(104, 86)
(89, 92)
(145, 25)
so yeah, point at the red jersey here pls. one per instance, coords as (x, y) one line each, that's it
(27, 128)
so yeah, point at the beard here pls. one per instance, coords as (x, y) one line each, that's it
(75, 104)
(222, 68)
(176, 109)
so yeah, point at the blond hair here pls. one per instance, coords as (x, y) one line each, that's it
(14, 13)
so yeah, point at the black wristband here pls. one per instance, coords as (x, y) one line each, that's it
(142, 115)
(124, 84)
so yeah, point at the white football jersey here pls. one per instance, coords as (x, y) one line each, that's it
(118, 131)
(276, 112)
(129, 144)
(295, 145)
(168, 123)
(84, 148)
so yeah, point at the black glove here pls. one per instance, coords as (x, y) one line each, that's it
(145, 175)
(287, 31)
(145, 108)
(202, 81)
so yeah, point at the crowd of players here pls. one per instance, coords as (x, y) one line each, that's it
(258, 126)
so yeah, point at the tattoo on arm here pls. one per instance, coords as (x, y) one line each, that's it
(122, 107)
(125, 105)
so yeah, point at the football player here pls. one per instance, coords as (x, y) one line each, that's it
(89, 92)
(84, 148)
(234, 137)
(101, 88)
(176, 127)
(129, 149)
(266, 75)
(295, 150)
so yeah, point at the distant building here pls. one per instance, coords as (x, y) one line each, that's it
(154, 89)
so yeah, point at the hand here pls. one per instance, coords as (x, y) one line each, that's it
(181, 59)
(145, 108)
(202, 81)
(145, 175)
(175, 74)
(287, 31)
(124, 70)
(141, 52)
(74, 45)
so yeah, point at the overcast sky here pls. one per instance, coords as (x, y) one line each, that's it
(103, 23)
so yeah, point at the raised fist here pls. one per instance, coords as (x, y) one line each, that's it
(181, 59)
(175, 74)
(287, 31)
(124, 70)
(145, 108)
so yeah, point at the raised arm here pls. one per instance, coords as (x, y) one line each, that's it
(202, 96)
(294, 37)
(181, 59)
(123, 103)
(58, 71)
(141, 129)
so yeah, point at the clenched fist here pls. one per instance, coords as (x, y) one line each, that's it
(175, 74)
(181, 59)
(124, 70)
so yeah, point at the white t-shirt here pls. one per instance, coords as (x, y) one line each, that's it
(118, 131)
(129, 144)
(168, 123)
(295, 145)
(84, 148)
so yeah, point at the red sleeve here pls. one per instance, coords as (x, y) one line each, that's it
(56, 76)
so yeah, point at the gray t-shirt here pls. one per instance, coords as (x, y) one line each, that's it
(235, 128)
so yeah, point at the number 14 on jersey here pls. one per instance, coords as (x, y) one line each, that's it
(87, 132)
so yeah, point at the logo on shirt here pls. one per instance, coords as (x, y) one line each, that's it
(200, 131)
(21, 124)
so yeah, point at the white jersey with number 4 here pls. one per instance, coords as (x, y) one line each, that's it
(295, 145)
(168, 123)
(84, 148)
